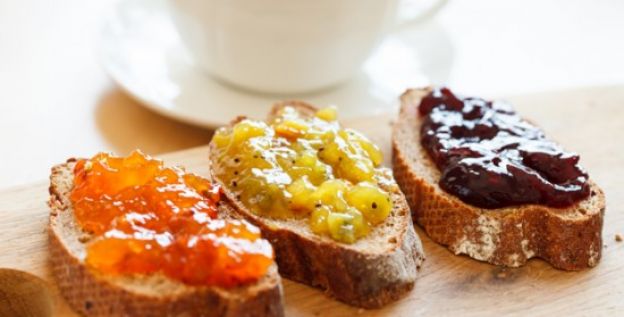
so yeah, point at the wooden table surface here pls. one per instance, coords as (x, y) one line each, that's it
(55, 100)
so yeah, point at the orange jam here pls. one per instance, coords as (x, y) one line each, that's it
(148, 219)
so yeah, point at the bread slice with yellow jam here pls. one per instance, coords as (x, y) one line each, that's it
(335, 217)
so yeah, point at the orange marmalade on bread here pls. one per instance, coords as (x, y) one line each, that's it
(306, 167)
(149, 219)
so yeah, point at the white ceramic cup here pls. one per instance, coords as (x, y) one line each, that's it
(284, 46)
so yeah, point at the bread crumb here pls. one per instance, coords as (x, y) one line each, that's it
(483, 249)
(593, 255)
(618, 238)
(514, 260)
(528, 253)
(360, 311)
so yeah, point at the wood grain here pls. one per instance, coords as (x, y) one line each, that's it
(588, 121)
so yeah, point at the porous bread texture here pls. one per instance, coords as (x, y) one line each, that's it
(568, 238)
(373, 271)
(92, 293)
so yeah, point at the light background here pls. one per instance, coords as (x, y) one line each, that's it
(56, 102)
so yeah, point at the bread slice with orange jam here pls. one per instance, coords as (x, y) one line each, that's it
(568, 238)
(374, 270)
(93, 293)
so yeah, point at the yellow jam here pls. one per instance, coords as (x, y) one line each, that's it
(296, 167)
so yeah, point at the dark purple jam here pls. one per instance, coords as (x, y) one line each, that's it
(489, 157)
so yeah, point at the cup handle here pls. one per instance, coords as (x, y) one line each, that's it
(416, 18)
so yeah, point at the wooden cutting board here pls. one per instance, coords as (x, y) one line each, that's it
(589, 121)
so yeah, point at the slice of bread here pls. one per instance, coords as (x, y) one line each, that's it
(568, 238)
(92, 293)
(369, 273)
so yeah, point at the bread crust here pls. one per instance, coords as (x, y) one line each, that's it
(92, 293)
(568, 238)
(344, 272)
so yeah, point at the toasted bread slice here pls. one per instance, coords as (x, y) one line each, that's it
(92, 293)
(568, 238)
(369, 273)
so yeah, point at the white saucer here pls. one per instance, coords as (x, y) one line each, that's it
(142, 52)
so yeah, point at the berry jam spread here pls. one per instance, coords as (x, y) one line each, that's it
(148, 219)
(490, 157)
